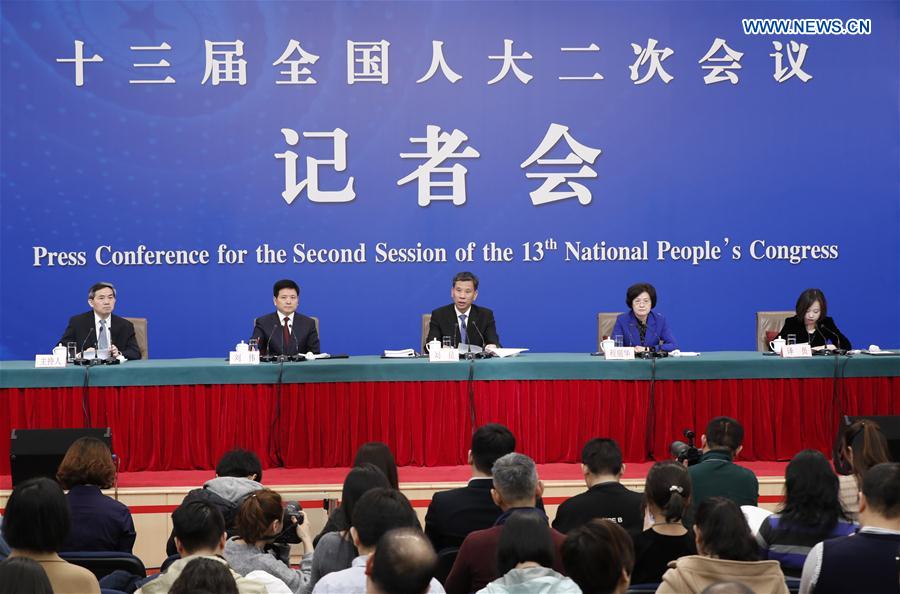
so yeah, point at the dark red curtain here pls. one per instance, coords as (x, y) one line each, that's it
(429, 423)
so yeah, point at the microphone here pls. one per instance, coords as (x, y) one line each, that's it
(83, 344)
(820, 327)
(269, 341)
(485, 354)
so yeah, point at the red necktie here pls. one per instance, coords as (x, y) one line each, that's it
(285, 336)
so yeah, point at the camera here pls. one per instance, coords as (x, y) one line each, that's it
(685, 452)
(288, 535)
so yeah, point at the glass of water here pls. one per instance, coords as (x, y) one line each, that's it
(792, 339)
(71, 351)
(620, 340)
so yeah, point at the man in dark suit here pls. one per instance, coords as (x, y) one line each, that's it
(606, 497)
(286, 332)
(462, 320)
(101, 330)
(453, 514)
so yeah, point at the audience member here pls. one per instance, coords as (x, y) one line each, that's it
(811, 513)
(524, 557)
(376, 513)
(99, 522)
(20, 575)
(867, 561)
(403, 563)
(667, 493)
(599, 557)
(238, 473)
(204, 575)
(727, 588)
(716, 475)
(726, 550)
(863, 445)
(199, 530)
(36, 524)
(606, 497)
(452, 515)
(379, 454)
(258, 523)
(516, 488)
(335, 550)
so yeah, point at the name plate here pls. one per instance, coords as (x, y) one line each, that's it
(443, 355)
(243, 358)
(619, 354)
(796, 351)
(49, 361)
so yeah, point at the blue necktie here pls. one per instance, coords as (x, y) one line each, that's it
(463, 335)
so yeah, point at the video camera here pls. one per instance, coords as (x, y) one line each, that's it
(686, 451)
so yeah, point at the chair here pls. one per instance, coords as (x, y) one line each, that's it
(766, 322)
(140, 333)
(606, 321)
(169, 560)
(103, 563)
(426, 322)
(446, 558)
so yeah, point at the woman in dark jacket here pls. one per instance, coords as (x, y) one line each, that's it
(811, 324)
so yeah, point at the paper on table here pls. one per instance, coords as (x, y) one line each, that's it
(400, 354)
(677, 353)
(314, 356)
(501, 352)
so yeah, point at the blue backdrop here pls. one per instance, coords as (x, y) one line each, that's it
(192, 165)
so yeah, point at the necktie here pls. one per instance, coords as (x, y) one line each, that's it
(102, 340)
(463, 335)
(285, 336)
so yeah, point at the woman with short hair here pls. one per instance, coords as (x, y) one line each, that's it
(641, 327)
(99, 522)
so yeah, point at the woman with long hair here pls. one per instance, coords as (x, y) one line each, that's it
(726, 551)
(811, 513)
(863, 445)
(667, 495)
(258, 523)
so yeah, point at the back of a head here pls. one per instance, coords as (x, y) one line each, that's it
(358, 481)
(868, 445)
(379, 511)
(597, 555)
(668, 487)
(379, 454)
(724, 532)
(515, 478)
(602, 456)
(198, 526)
(37, 517)
(727, 588)
(881, 487)
(204, 575)
(403, 563)
(240, 463)
(525, 537)
(811, 493)
(21, 574)
(490, 442)
(724, 433)
(88, 461)
(256, 514)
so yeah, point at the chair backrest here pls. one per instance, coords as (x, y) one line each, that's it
(140, 333)
(606, 321)
(769, 321)
(103, 563)
(426, 322)
(316, 322)
(446, 558)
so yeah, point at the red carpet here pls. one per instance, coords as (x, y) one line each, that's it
(408, 474)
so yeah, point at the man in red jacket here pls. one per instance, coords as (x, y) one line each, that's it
(516, 489)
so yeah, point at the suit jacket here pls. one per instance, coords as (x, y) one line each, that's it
(657, 329)
(476, 564)
(99, 523)
(480, 325)
(121, 332)
(612, 501)
(267, 329)
(453, 514)
(826, 332)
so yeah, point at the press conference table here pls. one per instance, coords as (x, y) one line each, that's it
(182, 414)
